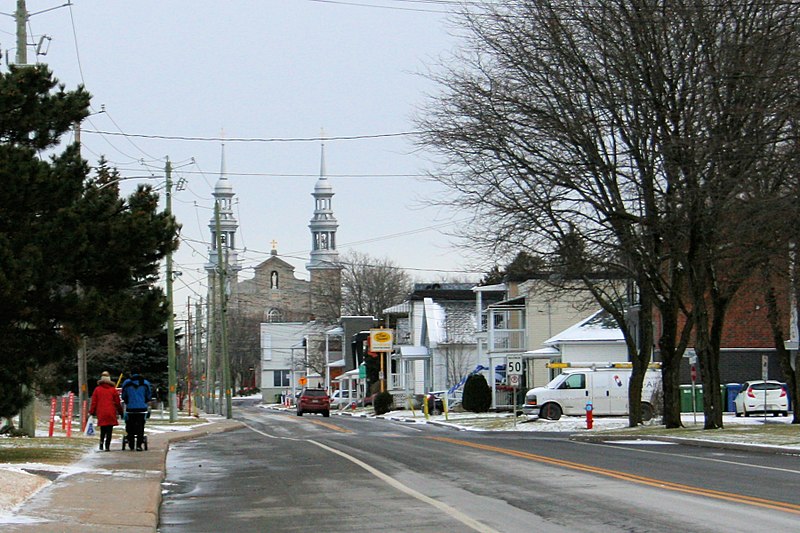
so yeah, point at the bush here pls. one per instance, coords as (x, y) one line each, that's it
(383, 403)
(477, 394)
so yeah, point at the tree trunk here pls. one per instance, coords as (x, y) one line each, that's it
(778, 336)
(642, 355)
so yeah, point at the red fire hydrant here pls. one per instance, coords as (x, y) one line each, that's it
(589, 418)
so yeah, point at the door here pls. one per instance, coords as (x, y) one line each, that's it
(573, 393)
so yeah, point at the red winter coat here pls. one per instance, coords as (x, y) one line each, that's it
(105, 404)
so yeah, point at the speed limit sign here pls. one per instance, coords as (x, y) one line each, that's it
(514, 365)
(513, 380)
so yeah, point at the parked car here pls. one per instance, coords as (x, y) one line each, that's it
(313, 401)
(759, 396)
(342, 398)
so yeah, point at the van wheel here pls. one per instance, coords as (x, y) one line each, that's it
(647, 412)
(550, 411)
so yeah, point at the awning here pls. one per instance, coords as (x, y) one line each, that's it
(414, 352)
(336, 364)
(350, 374)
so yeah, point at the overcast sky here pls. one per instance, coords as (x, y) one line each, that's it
(263, 69)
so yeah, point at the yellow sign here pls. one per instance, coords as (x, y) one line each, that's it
(303, 380)
(381, 340)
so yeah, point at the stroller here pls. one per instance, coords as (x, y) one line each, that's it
(129, 439)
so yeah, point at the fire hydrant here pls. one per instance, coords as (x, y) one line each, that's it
(589, 418)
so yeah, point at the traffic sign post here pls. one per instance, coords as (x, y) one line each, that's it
(765, 376)
(381, 341)
(514, 373)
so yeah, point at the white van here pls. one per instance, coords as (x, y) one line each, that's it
(607, 389)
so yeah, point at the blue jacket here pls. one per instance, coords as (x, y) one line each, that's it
(136, 393)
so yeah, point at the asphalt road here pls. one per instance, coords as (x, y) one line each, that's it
(314, 474)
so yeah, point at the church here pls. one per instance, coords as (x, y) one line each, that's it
(294, 313)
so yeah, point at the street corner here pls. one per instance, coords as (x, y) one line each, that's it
(18, 485)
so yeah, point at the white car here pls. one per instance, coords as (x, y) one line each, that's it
(759, 396)
(341, 398)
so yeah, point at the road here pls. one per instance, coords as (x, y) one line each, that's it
(284, 473)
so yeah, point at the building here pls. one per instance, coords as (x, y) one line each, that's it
(436, 336)
(294, 314)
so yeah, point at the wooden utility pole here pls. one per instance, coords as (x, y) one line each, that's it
(173, 397)
(222, 272)
(198, 351)
(21, 16)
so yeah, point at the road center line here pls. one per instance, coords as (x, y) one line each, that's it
(657, 483)
(694, 458)
(454, 513)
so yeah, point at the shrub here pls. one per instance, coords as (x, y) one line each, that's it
(383, 403)
(477, 394)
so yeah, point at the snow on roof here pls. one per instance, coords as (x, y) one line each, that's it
(600, 327)
(490, 288)
(399, 309)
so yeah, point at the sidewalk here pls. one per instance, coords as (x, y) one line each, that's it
(114, 491)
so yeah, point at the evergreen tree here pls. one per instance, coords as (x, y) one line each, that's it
(477, 394)
(75, 259)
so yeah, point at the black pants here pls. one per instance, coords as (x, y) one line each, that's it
(105, 437)
(134, 427)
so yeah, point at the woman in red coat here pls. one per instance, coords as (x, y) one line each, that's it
(105, 406)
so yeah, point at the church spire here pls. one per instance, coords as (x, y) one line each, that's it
(323, 224)
(223, 195)
(322, 172)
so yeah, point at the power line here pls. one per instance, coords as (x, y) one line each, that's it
(291, 175)
(256, 139)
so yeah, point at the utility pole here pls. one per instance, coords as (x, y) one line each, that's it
(21, 16)
(27, 416)
(173, 397)
(189, 354)
(198, 350)
(221, 267)
(211, 373)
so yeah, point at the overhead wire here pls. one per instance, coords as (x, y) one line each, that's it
(255, 139)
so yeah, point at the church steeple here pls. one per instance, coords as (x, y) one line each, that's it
(323, 224)
(223, 195)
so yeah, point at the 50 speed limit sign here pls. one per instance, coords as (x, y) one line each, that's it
(514, 365)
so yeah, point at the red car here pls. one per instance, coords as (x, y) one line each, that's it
(314, 401)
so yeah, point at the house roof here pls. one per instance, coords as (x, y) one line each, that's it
(598, 327)
(399, 309)
(516, 301)
(445, 291)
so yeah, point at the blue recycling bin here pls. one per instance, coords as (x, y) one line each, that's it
(731, 390)
(788, 396)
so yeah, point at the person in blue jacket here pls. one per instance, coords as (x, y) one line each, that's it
(136, 394)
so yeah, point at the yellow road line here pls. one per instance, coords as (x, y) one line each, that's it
(720, 495)
(330, 426)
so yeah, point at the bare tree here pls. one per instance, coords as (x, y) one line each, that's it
(631, 141)
(244, 346)
(370, 285)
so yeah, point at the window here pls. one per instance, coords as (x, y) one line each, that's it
(274, 315)
(575, 381)
(280, 378)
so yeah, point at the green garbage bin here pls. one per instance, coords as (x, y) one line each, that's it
(686, 398)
